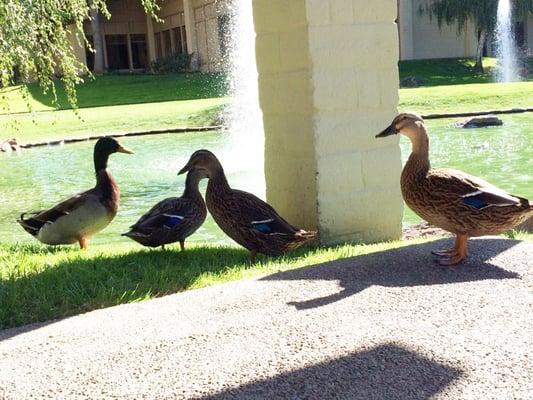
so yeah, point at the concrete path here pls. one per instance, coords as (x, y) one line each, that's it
(390, 325)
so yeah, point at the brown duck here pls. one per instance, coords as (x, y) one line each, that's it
(450, 199)
(244, 217)
(173, 219)
(81, 216)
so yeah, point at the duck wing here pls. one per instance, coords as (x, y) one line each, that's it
(168, 213)
(470, 190)
(39, 218)
(254, 213)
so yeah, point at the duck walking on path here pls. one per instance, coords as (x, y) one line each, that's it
(173, 219)
(244, 217)
(81, 216)
(450, 199)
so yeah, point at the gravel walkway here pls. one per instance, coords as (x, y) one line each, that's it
(390, 325)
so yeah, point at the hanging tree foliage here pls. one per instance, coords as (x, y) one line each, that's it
(481, 13)
(35, 40)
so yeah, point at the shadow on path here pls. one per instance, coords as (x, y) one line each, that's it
(387, 372)
(403, 267)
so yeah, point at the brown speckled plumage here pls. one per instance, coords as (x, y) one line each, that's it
(173, 219)
(244, 217)
(450, 199)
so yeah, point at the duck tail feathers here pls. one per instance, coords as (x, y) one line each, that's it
(306, 236)
(30, 225)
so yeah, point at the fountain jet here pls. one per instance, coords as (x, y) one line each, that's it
(505, 44)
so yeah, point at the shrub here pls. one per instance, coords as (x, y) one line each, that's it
(172, 63)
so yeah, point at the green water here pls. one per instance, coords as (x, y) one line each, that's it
(38, 178)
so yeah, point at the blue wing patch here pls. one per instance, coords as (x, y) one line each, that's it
(172, 220)
(475, 202)
(262, 226)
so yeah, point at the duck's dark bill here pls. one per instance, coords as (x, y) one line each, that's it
(389, 131)
(184, 169)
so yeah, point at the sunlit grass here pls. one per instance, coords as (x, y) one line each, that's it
(54, 125)
(467, 98)
(39, 283)
(117, 89)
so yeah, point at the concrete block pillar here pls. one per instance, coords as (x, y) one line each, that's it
(150, 39)
(190, 30)
(328, 83)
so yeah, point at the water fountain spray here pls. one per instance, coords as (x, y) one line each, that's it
(505, 44)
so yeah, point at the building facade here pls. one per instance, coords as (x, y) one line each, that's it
(132, 40)
(421, 38)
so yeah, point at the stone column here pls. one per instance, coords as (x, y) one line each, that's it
(190, 30)
(150, 40)
(328, 83)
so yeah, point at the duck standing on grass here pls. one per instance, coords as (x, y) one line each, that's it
(173, 219)
(450, 199)
(244, 217)
(83, 215)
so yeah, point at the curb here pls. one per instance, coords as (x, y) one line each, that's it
(140, 133)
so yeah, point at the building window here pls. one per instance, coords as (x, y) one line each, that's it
(138, 51)
(158, 48)
(224, 33)
(117, 52)
(167, 42)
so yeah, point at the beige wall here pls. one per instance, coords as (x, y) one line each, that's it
(172, 15)
(328, 82)
(127, 17)
(421, 37)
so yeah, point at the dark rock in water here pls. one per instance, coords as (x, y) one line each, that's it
(481, 122)
(412, 82)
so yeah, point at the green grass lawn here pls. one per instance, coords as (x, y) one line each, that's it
(51, 125)
(467, 98)
(119, 89)
(125, 103)
(115, 104)
(447, 71)
(39, 283)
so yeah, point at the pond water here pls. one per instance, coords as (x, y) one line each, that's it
(38, 178)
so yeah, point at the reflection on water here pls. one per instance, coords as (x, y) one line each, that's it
(39, 178)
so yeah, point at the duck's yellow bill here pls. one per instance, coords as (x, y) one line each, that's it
(122, 149)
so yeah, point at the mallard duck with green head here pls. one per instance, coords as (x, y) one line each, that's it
(78, 218)
(244, 217)
(173, 219)
(453, 200)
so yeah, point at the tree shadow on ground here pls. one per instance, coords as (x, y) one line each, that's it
(402, 267)
(387, 371)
